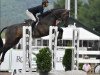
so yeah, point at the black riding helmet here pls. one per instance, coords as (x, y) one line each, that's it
(44, 2)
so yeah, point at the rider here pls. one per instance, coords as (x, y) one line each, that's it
(31, 12)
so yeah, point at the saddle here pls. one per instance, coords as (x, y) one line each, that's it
(32, 23)
(29, 21)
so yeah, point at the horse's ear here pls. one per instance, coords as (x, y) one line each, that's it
(68, 11)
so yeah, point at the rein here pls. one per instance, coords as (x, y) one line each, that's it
(58, 18)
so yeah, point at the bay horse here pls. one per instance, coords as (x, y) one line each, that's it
(13, 33)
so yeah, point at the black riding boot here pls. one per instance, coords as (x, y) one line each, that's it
(33, 25)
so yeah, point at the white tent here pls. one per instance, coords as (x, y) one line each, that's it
(83, 34)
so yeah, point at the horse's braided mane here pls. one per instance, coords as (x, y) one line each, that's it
(46, 13)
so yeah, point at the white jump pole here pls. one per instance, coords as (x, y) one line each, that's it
(53, 43)
(75, 53)
(27, 49)
(67, 4)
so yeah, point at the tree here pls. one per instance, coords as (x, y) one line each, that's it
(61, 4)
(89, 14)
(67, 59)
(44, 60)
(97, 28)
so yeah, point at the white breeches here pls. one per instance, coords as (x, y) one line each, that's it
(30, 15)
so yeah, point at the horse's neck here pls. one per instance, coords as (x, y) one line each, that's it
(49, 20)
(42, 28)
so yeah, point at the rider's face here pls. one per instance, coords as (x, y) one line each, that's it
(46, 4)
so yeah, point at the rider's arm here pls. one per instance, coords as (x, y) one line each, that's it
(41, 9)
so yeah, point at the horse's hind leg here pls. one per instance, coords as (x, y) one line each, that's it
(60, 33)
(1, 42)
(4, 50)
(9, 44)
(3, 54)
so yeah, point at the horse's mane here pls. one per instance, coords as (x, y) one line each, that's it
(46, 13)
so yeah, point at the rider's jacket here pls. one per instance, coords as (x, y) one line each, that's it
(37, 9)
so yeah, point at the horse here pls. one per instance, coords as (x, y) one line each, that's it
(1, 42)
(14, 32)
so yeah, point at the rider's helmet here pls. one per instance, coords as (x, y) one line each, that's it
(45, 3)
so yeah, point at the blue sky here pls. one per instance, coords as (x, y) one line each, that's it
(13, 11)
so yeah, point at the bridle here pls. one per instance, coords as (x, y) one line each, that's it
(58, 18)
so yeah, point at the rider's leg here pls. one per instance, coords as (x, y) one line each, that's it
(33, 25)
(30, 15)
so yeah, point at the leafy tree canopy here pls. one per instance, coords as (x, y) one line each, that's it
(88, 13)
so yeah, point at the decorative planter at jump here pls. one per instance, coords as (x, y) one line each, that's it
(43, 73)
(67, 59)
(44, 61)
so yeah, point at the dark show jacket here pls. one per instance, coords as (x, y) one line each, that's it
(37, 9)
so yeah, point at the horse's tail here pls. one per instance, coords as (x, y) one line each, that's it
(1, 41)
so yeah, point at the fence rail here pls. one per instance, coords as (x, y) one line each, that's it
(90, 52)
(89, 60)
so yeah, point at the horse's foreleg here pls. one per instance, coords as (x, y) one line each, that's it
(60, 33)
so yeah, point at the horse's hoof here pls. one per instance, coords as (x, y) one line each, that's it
(59, 37)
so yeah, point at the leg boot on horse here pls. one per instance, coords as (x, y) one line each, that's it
(2, 57)
(60, 33)
(33, 25)
(6, 47)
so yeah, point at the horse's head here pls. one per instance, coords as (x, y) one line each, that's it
(55, 14)
(61, 14)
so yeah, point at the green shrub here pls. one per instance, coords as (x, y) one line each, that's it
(67, 59)
(80, 66)
(44, 60)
